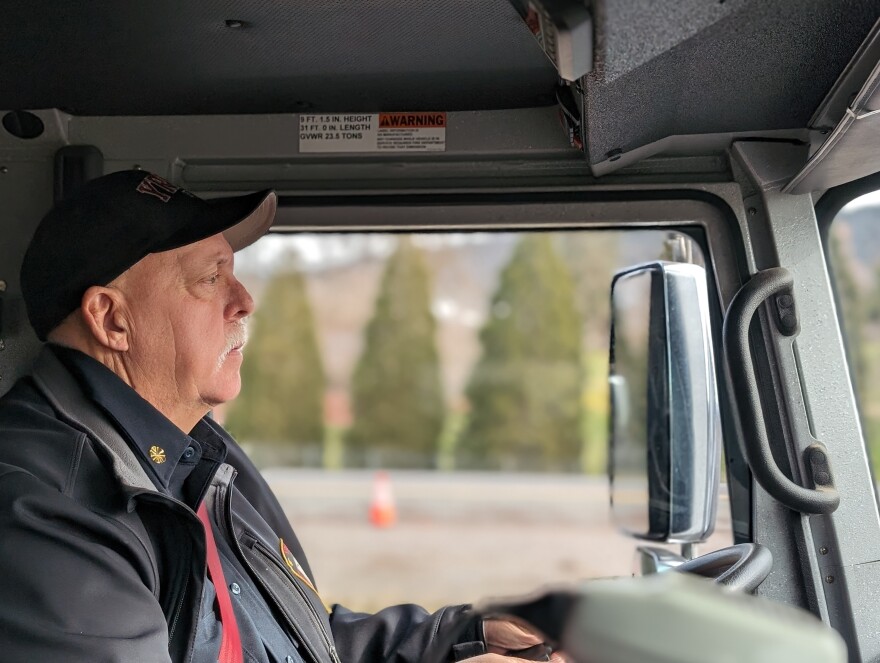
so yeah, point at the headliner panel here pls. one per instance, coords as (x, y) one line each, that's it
(178, 57)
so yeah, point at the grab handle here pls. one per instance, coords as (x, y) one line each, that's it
(777, 282)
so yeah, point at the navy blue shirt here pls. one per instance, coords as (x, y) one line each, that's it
(182, 465)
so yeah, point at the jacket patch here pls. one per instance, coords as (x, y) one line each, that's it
(294, 565)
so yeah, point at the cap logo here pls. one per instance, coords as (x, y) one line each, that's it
(153, 185)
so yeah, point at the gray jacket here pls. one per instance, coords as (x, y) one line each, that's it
(99, 566)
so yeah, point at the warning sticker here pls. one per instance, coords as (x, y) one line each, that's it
(374, 132)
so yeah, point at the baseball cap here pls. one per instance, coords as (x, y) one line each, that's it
(112, 222)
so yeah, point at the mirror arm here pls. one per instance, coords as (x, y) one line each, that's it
(742, 567)
(824, 498)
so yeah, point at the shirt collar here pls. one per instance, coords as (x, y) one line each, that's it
(158, 442)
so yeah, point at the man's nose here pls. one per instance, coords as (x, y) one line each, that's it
(241, 304)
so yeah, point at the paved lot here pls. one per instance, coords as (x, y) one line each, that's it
(460, 537)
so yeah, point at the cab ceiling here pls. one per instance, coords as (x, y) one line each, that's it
(663, 67)
(168, 57)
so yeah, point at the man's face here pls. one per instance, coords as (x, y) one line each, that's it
(187, 312)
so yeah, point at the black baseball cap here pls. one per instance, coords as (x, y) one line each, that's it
(112, 222)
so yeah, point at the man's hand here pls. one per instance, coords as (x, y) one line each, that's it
(505, 638)
(555, 657)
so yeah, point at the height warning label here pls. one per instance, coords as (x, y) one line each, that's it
(373, 132)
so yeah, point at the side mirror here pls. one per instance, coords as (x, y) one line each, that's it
(665, 435)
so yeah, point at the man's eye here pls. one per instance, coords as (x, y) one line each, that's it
(211, 280)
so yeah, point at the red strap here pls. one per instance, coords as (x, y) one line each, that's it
(230, 646)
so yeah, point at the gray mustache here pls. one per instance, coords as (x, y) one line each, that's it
(238, 336)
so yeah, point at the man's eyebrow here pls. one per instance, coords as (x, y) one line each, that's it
(194, 265)
(215, 259)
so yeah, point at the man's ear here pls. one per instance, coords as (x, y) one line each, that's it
(104, 314)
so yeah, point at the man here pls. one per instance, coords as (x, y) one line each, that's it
(132, 527)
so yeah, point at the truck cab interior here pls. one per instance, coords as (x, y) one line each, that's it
(743, 128)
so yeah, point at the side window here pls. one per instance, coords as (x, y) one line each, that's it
(854, 256)
(432, 409)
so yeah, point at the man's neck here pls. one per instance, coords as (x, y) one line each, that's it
(166, 401)
(185, 418)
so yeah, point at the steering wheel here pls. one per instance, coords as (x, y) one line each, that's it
(741, 567)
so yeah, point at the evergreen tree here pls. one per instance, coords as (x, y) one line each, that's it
(282, 394)
(872, 309)
(397, 396)
(856, 309)
(854, 312)
(592, 258)
(525, 391)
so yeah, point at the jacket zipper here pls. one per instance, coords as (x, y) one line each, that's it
(316, 620)
(331, 649)
(178, 609)
(151, 496)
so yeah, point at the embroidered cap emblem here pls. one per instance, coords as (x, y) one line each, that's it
(157, 455)
(153, 185)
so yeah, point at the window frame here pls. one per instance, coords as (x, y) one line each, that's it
(707, 218)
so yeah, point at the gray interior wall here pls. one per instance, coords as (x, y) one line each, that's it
(26, 180)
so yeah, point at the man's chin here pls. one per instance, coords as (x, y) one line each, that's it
(226, 385)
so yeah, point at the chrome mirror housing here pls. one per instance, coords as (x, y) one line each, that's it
(665, 437)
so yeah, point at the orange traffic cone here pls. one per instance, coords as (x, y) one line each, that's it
(383, 512)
